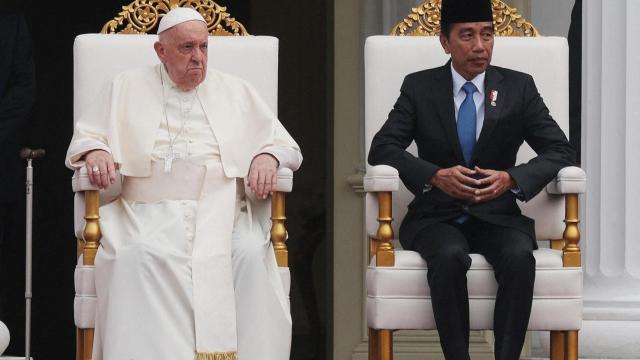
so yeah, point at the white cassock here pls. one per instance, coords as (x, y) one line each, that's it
(186, 269)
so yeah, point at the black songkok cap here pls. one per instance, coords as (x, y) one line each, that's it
(462, 11)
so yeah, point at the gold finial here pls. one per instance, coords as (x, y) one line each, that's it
(142, 16)
(424, 20)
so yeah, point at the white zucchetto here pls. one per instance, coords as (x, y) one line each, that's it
(178, 16)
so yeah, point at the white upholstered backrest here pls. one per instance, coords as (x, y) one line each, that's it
(389, 58)
(97, 58)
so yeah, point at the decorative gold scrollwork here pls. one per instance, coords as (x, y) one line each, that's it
(142, 16)
(424, 20)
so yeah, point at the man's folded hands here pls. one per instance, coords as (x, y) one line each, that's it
(473, 185)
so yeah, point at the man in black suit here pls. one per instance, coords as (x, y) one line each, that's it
(17, 90)
(468, 120)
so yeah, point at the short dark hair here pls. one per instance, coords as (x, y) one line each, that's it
(445, 30)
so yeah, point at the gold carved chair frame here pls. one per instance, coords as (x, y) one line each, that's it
(424, 20)
(141, 17)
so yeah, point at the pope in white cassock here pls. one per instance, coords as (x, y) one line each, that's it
(185, 269)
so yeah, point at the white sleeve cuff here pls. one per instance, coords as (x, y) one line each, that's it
(287, 157)
(74, 161)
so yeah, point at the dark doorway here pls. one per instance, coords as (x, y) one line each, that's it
(304, 83)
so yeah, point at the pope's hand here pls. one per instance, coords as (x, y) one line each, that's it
(263, 175)
(101, 169)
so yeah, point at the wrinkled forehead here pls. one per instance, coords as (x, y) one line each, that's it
(189, 31)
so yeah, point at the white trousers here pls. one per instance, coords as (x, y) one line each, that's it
(264, 329)
(143, 280)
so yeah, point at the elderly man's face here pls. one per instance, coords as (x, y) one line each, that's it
(470, 46)
(183, 50)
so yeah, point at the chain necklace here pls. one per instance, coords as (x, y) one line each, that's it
(171, 155)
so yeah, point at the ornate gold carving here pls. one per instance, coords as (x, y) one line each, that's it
(143, 16)
(217, 356)
(425, 20)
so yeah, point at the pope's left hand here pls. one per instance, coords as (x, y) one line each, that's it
(263, 175)
(494, 182)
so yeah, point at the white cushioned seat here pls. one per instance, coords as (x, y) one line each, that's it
(556, 289)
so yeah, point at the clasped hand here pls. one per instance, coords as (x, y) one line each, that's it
(473, 185)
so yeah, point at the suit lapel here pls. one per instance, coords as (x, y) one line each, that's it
(492, 83)
(446, 109)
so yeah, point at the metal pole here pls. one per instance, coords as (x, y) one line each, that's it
(29, 257)
(29, 155)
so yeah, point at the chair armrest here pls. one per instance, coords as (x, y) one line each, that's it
(285, 180)
(80, 181)
(570, 180)
(381, 178)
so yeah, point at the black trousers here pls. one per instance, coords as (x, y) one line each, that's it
(446, 248)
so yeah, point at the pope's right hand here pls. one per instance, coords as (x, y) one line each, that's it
(100, 167)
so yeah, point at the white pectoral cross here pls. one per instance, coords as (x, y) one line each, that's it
(168, 158)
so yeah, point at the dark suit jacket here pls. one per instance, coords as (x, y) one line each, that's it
(17, 91)
(425, 113)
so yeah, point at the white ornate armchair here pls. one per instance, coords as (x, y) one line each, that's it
(396, 280)
(97, 59)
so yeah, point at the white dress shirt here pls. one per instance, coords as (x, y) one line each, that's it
(478, 97)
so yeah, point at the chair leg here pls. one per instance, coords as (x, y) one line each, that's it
(385, 344)
(571, 341)
(88, 344)
(373, 344)
(79, 344)
(557, 345)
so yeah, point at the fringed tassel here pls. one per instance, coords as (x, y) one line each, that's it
(231, 355)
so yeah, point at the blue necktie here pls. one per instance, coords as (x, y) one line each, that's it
(467, 123)
(467, 130)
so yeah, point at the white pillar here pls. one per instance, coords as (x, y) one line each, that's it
(611, 158)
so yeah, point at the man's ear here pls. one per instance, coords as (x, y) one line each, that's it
(159, 48)
(445, 44)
